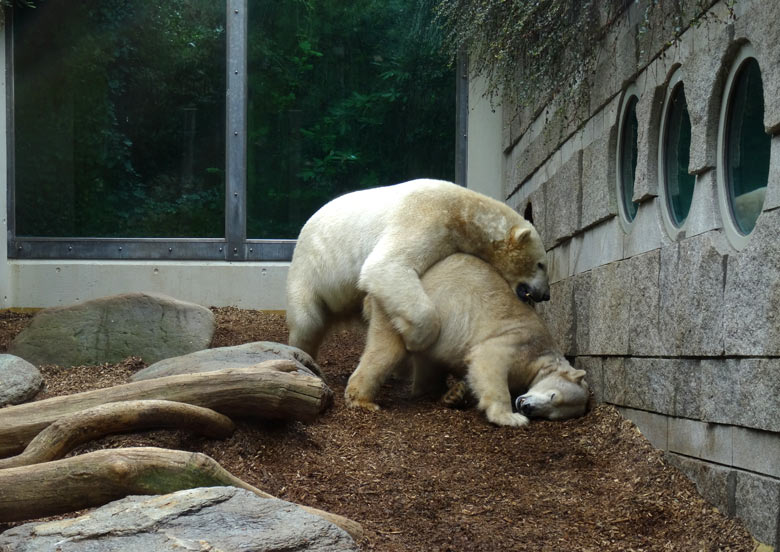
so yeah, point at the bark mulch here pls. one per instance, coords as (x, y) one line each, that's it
(421, 477)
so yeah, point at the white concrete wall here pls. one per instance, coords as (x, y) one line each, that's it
(484, 165)
(250, 285)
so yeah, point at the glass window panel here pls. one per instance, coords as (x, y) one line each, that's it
(342, 96)
(679, 183)
(747, 147)
(119, 118)
(628, 158)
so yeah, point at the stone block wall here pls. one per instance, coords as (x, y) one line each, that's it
(681, 333)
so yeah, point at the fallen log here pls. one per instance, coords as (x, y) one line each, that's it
(96, 478)
(272, 390)
(70, 431)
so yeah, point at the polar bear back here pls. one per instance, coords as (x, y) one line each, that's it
(335, 242)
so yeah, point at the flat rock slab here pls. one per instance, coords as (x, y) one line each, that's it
(227, 519)
(19, 380)
(220, 358)
(110, 329)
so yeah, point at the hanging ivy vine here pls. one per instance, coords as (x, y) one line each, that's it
(532, 49)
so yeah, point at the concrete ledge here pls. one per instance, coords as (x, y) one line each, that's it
(653, 426)
(752, 498)
(715, 483)
(250, 285)
(757, 501)
(711, 442)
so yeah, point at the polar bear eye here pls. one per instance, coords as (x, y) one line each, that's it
(541, 266)
(552, 395)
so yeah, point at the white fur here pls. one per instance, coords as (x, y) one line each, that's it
(499, 344)
(380, 240)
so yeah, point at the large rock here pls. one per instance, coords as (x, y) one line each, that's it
(19, 380)
(239, 356)
(214, 518)
(112, 328)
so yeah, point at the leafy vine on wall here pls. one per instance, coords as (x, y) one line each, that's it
(530, 50)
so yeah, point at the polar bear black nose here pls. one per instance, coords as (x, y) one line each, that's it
(522, 406)
(523, 291)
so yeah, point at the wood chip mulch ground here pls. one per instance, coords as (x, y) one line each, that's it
(421, 477)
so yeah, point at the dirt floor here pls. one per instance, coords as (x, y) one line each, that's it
(421, 477)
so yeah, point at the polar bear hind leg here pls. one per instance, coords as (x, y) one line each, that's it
(383, 353)
(395, 283)
(306, 318)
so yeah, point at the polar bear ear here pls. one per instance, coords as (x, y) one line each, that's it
(518, 234)
(577, 375)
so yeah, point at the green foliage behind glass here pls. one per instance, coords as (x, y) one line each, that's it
(120, 111)
(119, 118)
(343, 96)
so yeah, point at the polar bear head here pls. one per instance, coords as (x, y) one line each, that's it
(560, 393)
(522, 261)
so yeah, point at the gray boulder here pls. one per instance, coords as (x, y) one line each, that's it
(19, 380)
(239, 356)
(109, 329)
(213, 518)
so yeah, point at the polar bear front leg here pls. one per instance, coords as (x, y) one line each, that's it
(397, 287)
(383, 352)
(488, 377)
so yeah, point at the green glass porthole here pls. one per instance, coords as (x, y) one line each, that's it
(747, 147)
(679, 183)
(628, 159)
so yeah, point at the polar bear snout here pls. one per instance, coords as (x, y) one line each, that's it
(535, 406)
(525, 406)
(525, 292)
(555, 397)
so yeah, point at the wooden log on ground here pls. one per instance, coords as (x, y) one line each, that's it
(272, 389)
(96, 478)
(83, 426)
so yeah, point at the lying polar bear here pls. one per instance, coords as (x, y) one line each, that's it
(499, 343)
(380, 240)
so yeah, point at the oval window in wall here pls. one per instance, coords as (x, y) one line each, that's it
(627, 157)
(674, 155)
(744, 149)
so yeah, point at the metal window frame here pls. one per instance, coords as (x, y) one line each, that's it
(233, 247)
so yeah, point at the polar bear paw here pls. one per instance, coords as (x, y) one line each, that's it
(368, 405)
(355, 399)
(503, 418)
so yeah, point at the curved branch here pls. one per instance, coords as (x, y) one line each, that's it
(270, 389)
(83, 426)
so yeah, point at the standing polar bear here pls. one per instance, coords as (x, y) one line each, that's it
(380, 241)
(497, 342)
